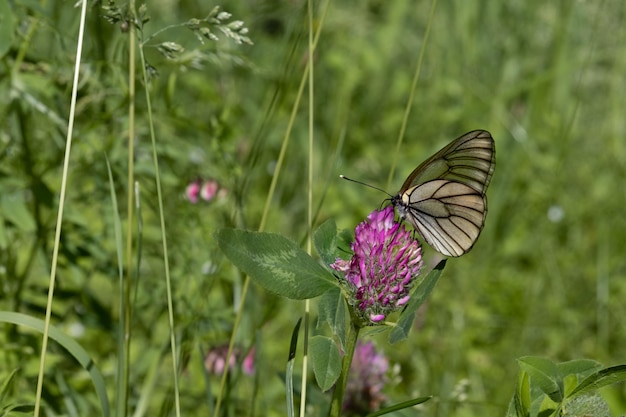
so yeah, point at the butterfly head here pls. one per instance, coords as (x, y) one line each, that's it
(401, 206)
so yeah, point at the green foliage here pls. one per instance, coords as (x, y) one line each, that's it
(546, 277)
(6, 27)
(544, 373)
(546, 388)
(325, 239)
(275, 263)
(7, 407)
(601, 378)
(589, 405)
(400, 406)
(74, 349)
(326, 361)
(333, 311)
(419, 295)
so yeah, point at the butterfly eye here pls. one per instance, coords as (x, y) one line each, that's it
(444, 197)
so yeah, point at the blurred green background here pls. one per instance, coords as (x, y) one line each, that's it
(546, 278)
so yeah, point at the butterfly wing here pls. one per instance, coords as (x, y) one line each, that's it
(469, 159)
(444, 197)
(449, 215)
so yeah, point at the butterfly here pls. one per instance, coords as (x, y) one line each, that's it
(444, 197)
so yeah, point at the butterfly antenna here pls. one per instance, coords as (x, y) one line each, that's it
(365, 184)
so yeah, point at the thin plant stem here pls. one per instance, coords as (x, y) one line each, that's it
(125, 305)
(409, 103)
(340, 387)
(57, 233)
(307, 302)
(158, 32)
(168, 281)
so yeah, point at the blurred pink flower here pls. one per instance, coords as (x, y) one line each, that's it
(192, 191)
(206, 190)
(215, 360)
(367, 378)
(247, 365)
(209, 190)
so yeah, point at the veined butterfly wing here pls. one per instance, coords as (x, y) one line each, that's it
(444, 197)
(469, 159)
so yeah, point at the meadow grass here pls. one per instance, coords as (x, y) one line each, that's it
(546, 277)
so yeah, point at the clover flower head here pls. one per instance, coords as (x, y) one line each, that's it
(386, 261)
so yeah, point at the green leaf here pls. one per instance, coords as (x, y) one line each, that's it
(345, 237)
(575, 371)
(570, 382)
(400, 406)
(513, 410)
(15, 210)
(325, 240)
(289, 390)
(6, 27)
(584, 367)
(602, 378)
(6, 386)
(275, 263)
(418, 296)
(547, 407)
(4, 242)
(545, 375)
(522, 398)
(294, 341)
(17, 410)
(326, 361)
(334, 311)
(588, 404)
(73, 348)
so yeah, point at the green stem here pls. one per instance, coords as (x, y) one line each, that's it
(340, 387)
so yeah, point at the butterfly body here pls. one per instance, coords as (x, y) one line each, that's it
(444, 198)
